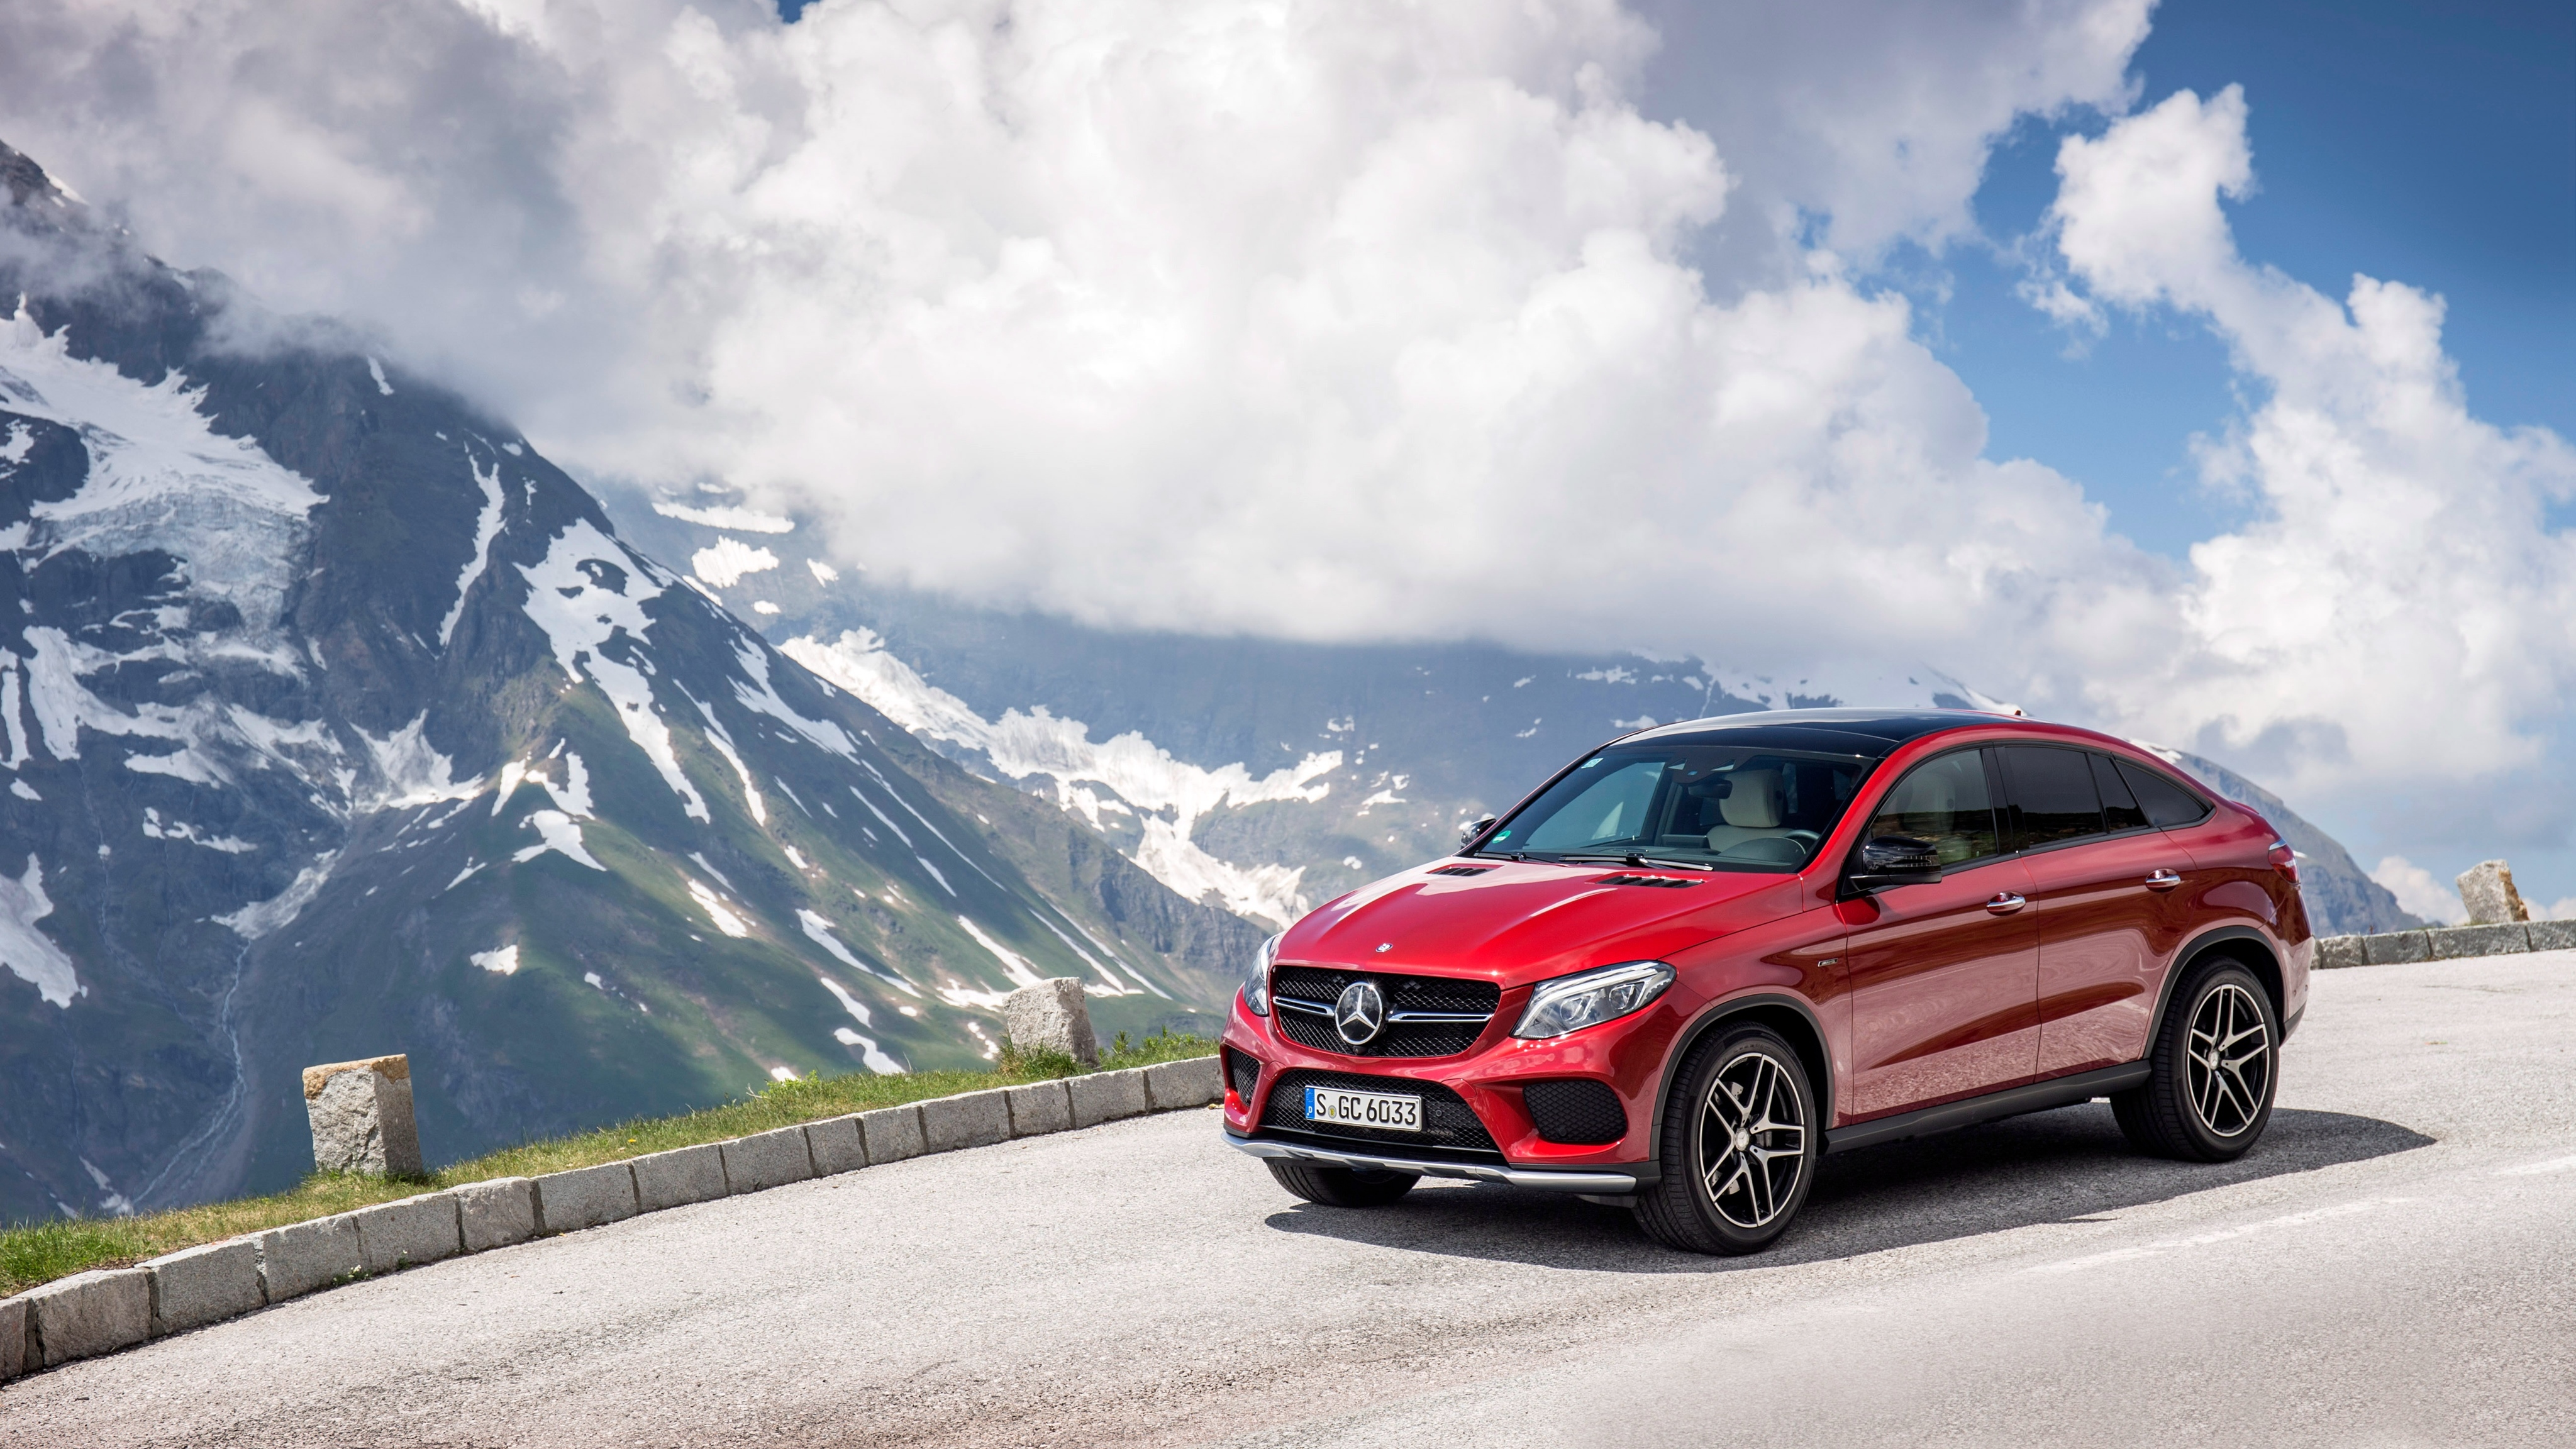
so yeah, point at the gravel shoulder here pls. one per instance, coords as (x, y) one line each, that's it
(2389, 1266)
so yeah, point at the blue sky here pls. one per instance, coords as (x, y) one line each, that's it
(2433, 144)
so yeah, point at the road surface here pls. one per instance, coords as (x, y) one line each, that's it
(2391, 1267)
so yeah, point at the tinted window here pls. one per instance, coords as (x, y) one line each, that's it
(1944, 801)
(2165, 802)
(2052, 794)
(2119, 808)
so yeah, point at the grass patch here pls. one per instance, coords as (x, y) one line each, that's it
(34, 1253)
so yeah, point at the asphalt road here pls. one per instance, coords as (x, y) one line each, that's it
(2390, 1267)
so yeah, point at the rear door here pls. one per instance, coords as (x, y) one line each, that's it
(2106, 900)
(1943, 975)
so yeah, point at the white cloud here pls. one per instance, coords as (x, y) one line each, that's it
(2391, 629)
(1327, 320)
(2419, 893)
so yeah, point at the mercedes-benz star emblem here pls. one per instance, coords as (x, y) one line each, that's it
(1359, 1013)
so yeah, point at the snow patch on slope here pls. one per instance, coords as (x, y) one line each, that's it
(1143, 774)
(259, 918)
(723, 565)
(583, 609)
(733, 516)
(487, 527)
(28, 953)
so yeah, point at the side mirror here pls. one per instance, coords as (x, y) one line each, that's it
(1468, 832)
(1894, 860)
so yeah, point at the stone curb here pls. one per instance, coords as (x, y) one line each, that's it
(102, 1311)
(2444, 943)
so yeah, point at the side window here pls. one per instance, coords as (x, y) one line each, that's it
(2165, 802)
(2050, 790)
(2120, 810)
(1944, 801)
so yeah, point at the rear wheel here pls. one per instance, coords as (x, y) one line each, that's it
(1349, 1187)
(1738, 1146)
(2216, 1065)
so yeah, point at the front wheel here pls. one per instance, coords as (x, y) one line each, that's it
(2216, 1065)
(1348, 1187)
(1738, 1146)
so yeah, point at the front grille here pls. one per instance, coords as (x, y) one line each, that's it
(1444, 994)
(1244, 1072)
(1576, 1110)
(1450, 1127)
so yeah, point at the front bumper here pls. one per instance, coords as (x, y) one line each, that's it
(1611, 1184)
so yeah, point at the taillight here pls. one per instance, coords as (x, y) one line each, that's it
(2285, 860)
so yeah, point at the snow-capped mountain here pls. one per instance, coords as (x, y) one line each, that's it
(1263, 776)
(335, 720)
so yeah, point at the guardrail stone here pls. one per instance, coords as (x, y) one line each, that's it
(2552, 935)
(2458, 942)
(836, 1145)
(971, 1119)
(207, 1284)
(361, 1116)
(681, 1175)
(768, 1159)
(2337, 952)
(300, 1257)
(497, 1213)
(13, 1337)
(1051, 1015)
(406, 1234)
(1192, 1083)
(2397, 948)
(88, 1314)
(892, 1133)
(1038, 1108)
(584, 1197)
(1107, 1096)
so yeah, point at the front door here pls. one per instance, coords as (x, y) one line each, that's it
(1944, 975)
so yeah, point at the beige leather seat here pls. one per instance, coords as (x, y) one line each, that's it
(1751, 810)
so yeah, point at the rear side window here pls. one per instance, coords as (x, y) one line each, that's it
(2165, 802)
(2050, 794)
(1944, 801)
(2120, 809)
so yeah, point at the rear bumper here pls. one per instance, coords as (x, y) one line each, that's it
(1542, 1178)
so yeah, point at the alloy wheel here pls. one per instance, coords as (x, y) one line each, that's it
(1752, 1140)
(2228, 1060)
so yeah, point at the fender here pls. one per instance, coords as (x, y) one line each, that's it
(2191, 952)
(1717, 1012)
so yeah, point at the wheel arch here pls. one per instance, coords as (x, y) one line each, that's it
(2246, 946)
(1793, 1017)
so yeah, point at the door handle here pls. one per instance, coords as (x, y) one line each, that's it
(2005, 903)
(2163, 880)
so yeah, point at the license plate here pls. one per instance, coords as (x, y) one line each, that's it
(1364, 1109)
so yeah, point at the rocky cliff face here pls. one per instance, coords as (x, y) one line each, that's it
(337, 721)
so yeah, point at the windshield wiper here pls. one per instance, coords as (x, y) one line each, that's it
(1634, 859)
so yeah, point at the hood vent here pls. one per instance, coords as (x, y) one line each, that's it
(1462, 870)
(1663, 882)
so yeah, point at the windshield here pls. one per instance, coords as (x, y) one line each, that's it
(1713, 806)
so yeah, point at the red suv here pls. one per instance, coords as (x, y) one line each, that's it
(1705, 955)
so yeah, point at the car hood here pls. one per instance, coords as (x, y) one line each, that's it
(1519, 922)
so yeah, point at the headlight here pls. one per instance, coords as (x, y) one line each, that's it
(1256, 988)
(1571, 1003)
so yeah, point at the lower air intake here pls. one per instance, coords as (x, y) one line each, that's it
(1576, 1111)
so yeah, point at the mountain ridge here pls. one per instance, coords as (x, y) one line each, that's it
(339, 721)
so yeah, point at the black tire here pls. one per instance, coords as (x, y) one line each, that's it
(2203, 1103)
(1772, 1167)
(1348, 1187)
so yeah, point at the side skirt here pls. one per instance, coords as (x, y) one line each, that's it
(2010, 1102)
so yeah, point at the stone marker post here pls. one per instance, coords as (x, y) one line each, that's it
(361, 1116)
(2486, 888)
(1051, 1016)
